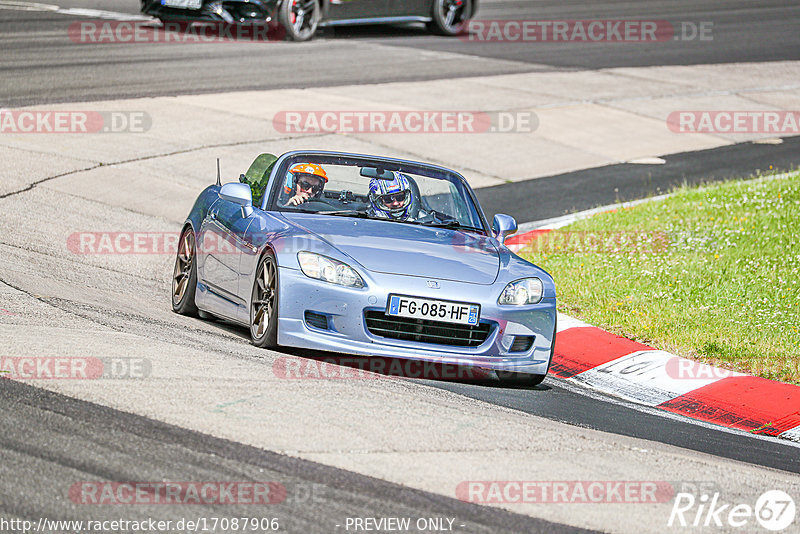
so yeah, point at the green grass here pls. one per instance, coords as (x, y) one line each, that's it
(711, 274)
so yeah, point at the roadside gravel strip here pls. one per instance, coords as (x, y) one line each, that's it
(205, 377)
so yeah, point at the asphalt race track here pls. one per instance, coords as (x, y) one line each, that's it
(81, 437)
(41, 64)
(51, 438)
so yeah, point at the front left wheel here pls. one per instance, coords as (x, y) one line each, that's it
(520, 379)
(184, 275)
(264, 304)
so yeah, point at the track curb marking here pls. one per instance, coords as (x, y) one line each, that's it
(618, 366)
(624, 368)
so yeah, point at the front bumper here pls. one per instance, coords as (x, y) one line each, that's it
(347, 331)
(230, 11)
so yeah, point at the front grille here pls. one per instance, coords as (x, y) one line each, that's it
(424, 331)
(317, 320)
(521, 344)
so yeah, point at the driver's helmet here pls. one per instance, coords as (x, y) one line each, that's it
(297, 172)
(391, 198)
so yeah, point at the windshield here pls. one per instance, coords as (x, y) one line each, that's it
(396, 193)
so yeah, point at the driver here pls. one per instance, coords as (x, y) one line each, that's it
(304, 182)
(391, 199)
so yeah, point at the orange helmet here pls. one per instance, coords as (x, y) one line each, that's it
(310, 168)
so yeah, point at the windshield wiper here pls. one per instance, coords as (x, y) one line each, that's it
(346, 213)
(455, 225)
(292, 209)
(340, 213)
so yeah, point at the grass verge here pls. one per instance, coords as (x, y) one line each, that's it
(711, 274)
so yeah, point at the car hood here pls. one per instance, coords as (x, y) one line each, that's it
(407, 249)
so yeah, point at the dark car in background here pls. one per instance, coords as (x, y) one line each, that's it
(301, 18)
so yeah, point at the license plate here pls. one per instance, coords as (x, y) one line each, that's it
(183, 4)
(445, 311)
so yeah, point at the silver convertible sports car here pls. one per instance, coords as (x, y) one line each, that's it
(365, 255)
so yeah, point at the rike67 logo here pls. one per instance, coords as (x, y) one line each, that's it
(774, 510)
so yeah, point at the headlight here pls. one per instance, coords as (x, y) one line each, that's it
(328, 270)
(526, 291)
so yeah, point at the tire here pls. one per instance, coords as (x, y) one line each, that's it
(520, 379)
(184, 275)
(264, 304)
(450, 17)
(299, 18)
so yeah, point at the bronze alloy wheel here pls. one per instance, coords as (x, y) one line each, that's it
(184, 276)
(264, 304)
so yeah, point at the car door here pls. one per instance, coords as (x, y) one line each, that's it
(405, 8)
(262, 232)
(357, 9)
(222, 234)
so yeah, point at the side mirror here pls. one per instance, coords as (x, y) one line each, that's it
(238, 194)
(503, 226)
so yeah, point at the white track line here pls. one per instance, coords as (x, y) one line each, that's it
(73, 11)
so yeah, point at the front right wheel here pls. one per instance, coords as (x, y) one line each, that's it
(184, 275)
(264, 304)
